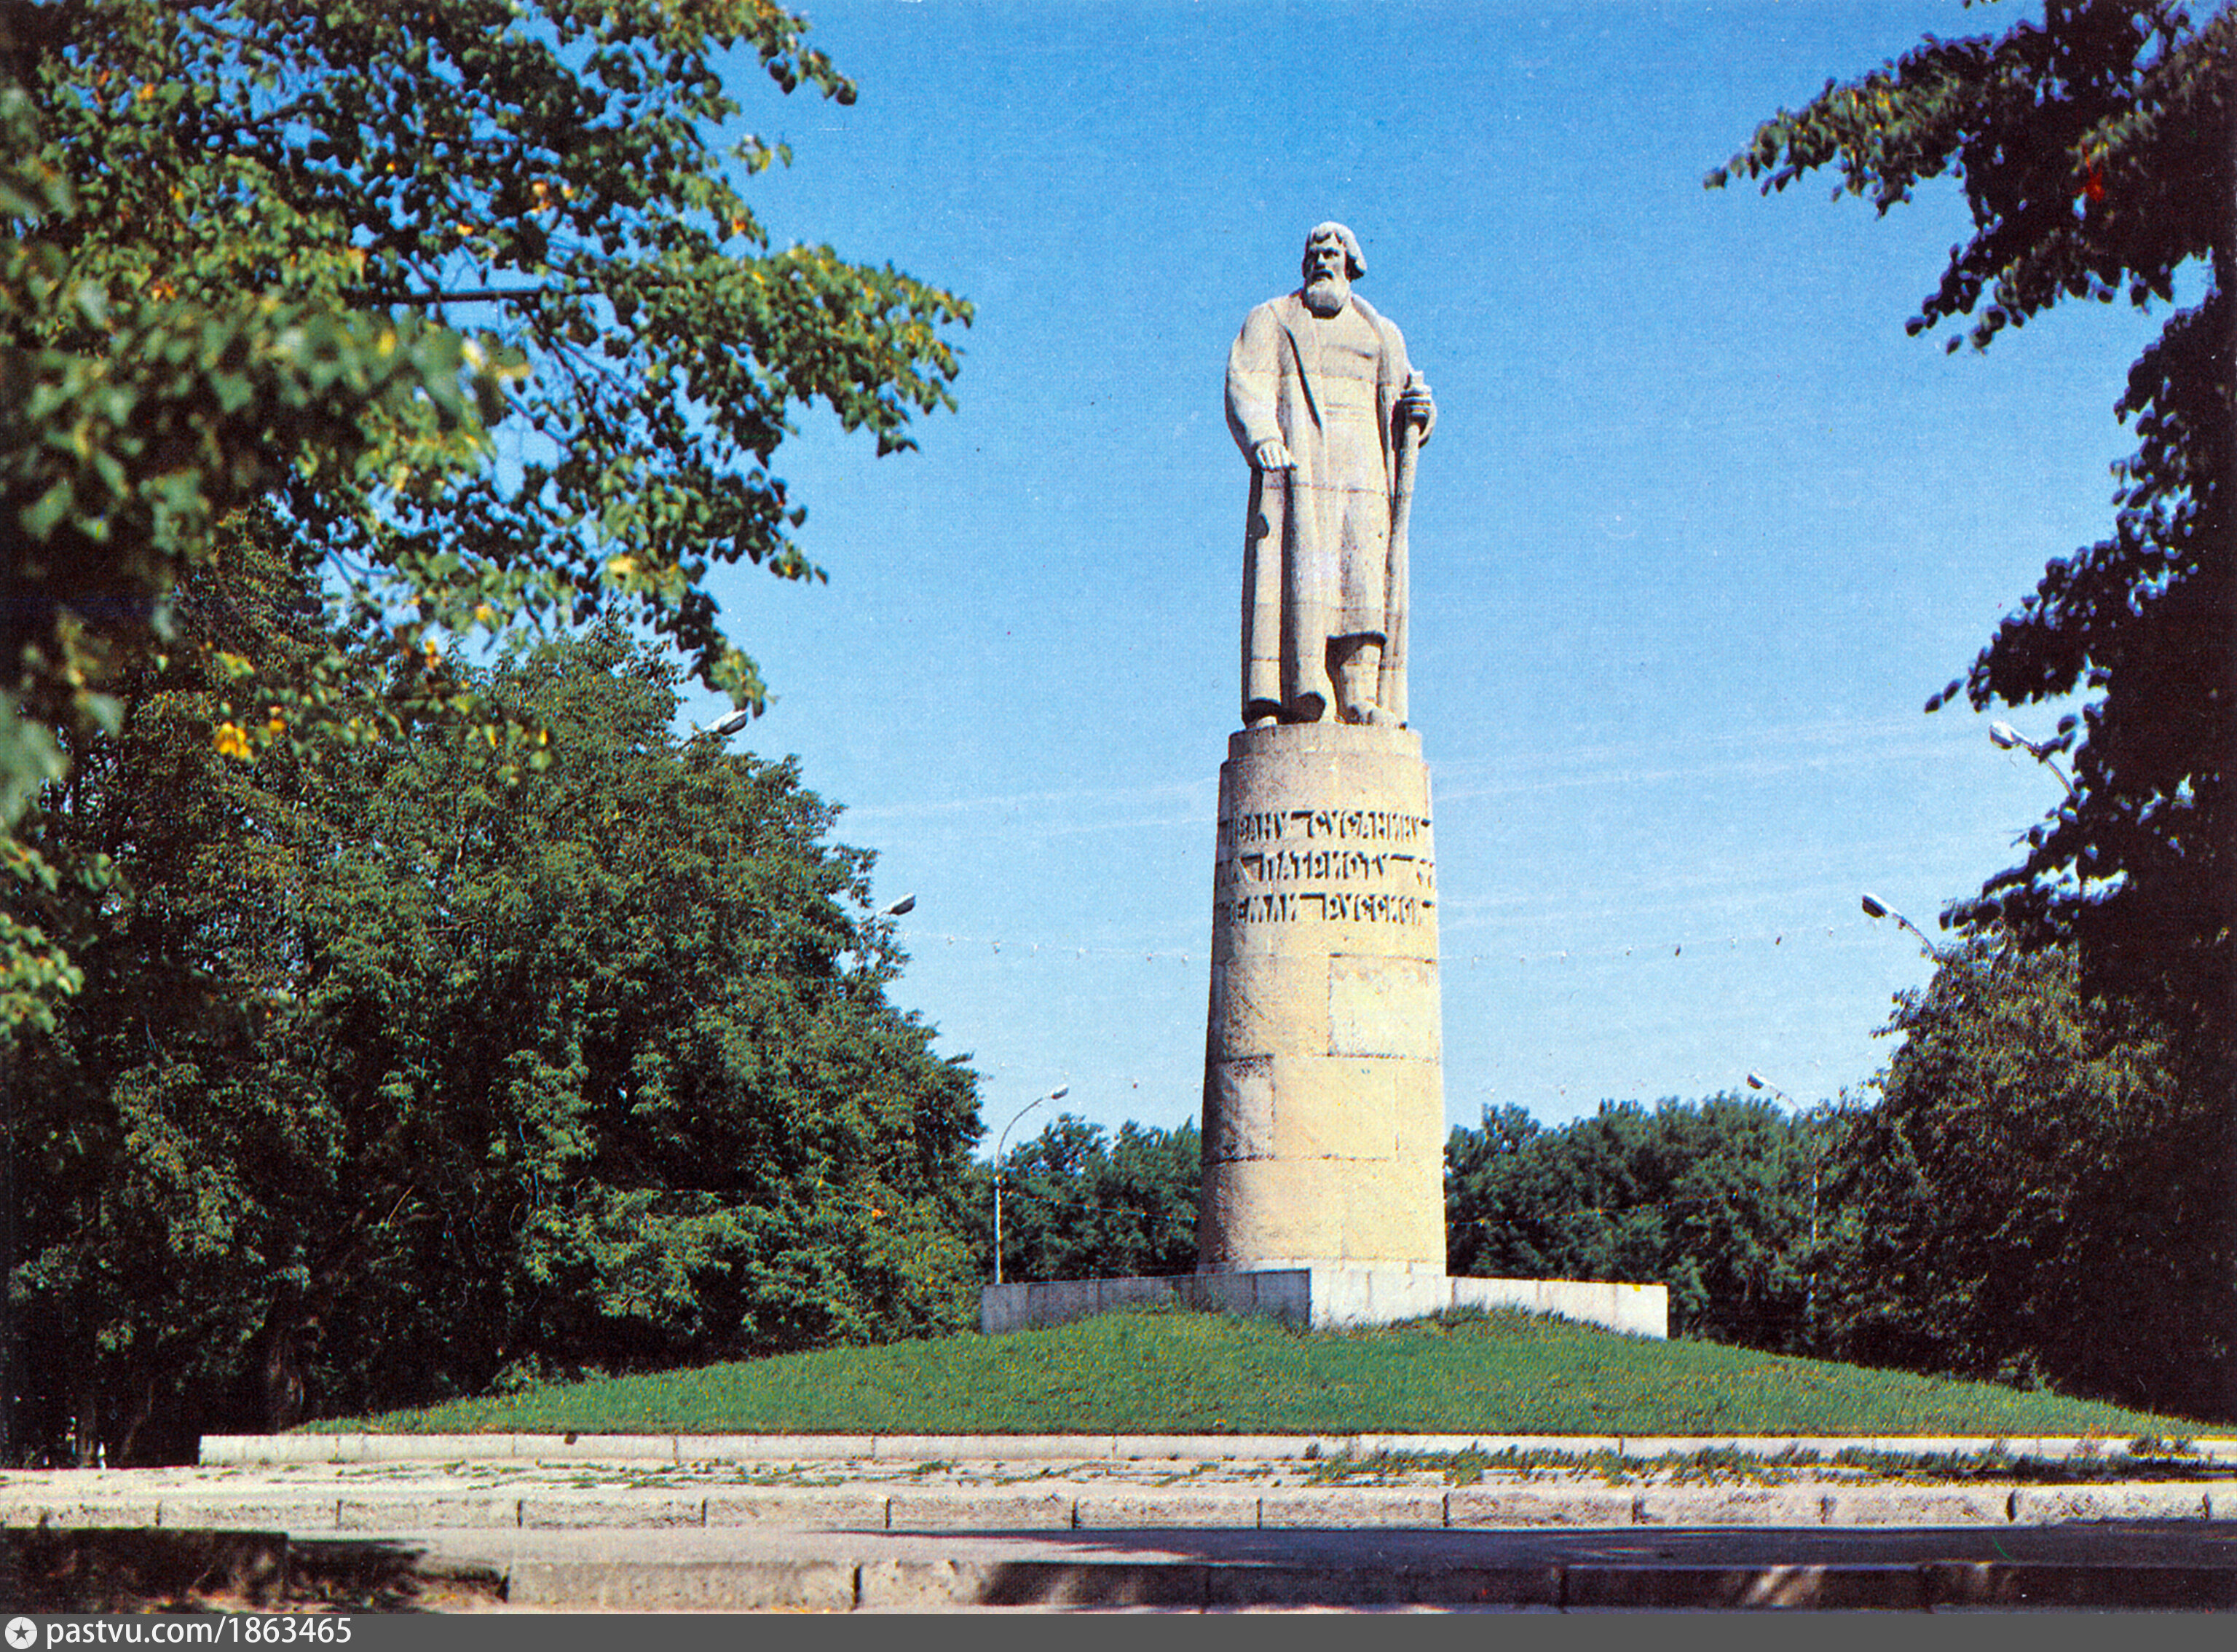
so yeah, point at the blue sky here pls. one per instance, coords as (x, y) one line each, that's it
(1700, 531)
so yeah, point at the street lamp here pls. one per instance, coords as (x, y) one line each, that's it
(1056, 1094)
(867, 931)
(1756, 1081)
(2005, 738)
(1877, 908)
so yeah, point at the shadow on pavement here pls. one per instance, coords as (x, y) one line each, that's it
(2171, 1565)
(45, 1569)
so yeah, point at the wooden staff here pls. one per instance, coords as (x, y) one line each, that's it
(1390, 683)
(1264, 537)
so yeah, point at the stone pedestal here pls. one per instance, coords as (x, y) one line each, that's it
(1324, 1092)
(1323, 1195)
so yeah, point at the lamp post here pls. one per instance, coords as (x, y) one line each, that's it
(2005, 738)
(1756, 1081)
(725, 726)
(1056, 1094)
(1875, 907)
(867, 931)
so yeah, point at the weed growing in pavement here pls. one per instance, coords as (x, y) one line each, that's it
(1728, 1465)
(2088, 1464)
(2153, 1445)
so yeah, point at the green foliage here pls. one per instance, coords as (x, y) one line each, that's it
(2097, 155)
(2026, 1201)
(337, 254)
(1079, 1205)
(1715, 1200)
(141, 1113)
(393, 1078)
(1172, 1372)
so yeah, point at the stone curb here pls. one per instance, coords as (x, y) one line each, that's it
(247, 1449)
(75, 1571)
(1047, 1507)
(952, 1585)
(842, 1582)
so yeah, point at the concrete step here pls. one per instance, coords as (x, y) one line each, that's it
(2129, 1567)
(432, 1500)
(932, 1586)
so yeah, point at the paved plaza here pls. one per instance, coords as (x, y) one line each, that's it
(917, 1524)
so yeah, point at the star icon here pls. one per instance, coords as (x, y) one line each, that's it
(22, 1632)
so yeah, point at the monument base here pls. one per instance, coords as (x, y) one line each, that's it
(1321, 1294)
(1323, 1090)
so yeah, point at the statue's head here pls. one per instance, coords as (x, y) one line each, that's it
(1333, 239)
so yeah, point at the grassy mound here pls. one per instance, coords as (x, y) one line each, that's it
(1177, 1372)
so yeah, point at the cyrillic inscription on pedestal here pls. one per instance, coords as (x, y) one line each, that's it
(1324, 1102)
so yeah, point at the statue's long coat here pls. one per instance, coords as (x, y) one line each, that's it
(1310, 572)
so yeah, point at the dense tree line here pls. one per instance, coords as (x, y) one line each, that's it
(2010, 1199)
(2097, 155)
(2016, 1198)
(1079, 1203)
(393, 1079)
(1717, 1200)
(2035, 1196)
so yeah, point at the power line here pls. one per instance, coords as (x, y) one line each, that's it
(999, 946)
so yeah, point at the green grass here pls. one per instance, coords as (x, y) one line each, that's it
(1179, 1372)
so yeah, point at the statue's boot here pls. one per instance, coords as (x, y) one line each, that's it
(1356, 663)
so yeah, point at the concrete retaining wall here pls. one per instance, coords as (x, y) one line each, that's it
(1642, 1310)
(525, 1450)
(1321, 1295)
(1285, 1294)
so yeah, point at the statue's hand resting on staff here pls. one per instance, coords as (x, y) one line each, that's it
(1414, 407)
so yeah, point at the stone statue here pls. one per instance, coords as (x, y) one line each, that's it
(1325, 408)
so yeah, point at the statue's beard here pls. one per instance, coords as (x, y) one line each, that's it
(1325, 294)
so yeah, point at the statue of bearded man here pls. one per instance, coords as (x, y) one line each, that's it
(1325, 406)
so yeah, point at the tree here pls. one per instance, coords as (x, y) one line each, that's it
(2097, 152)
(2098, 157)
(483, 1081)
(1079, 1204)
(1714, 1200)
(134, 1227)
(337, 254)
(2021, 1202)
